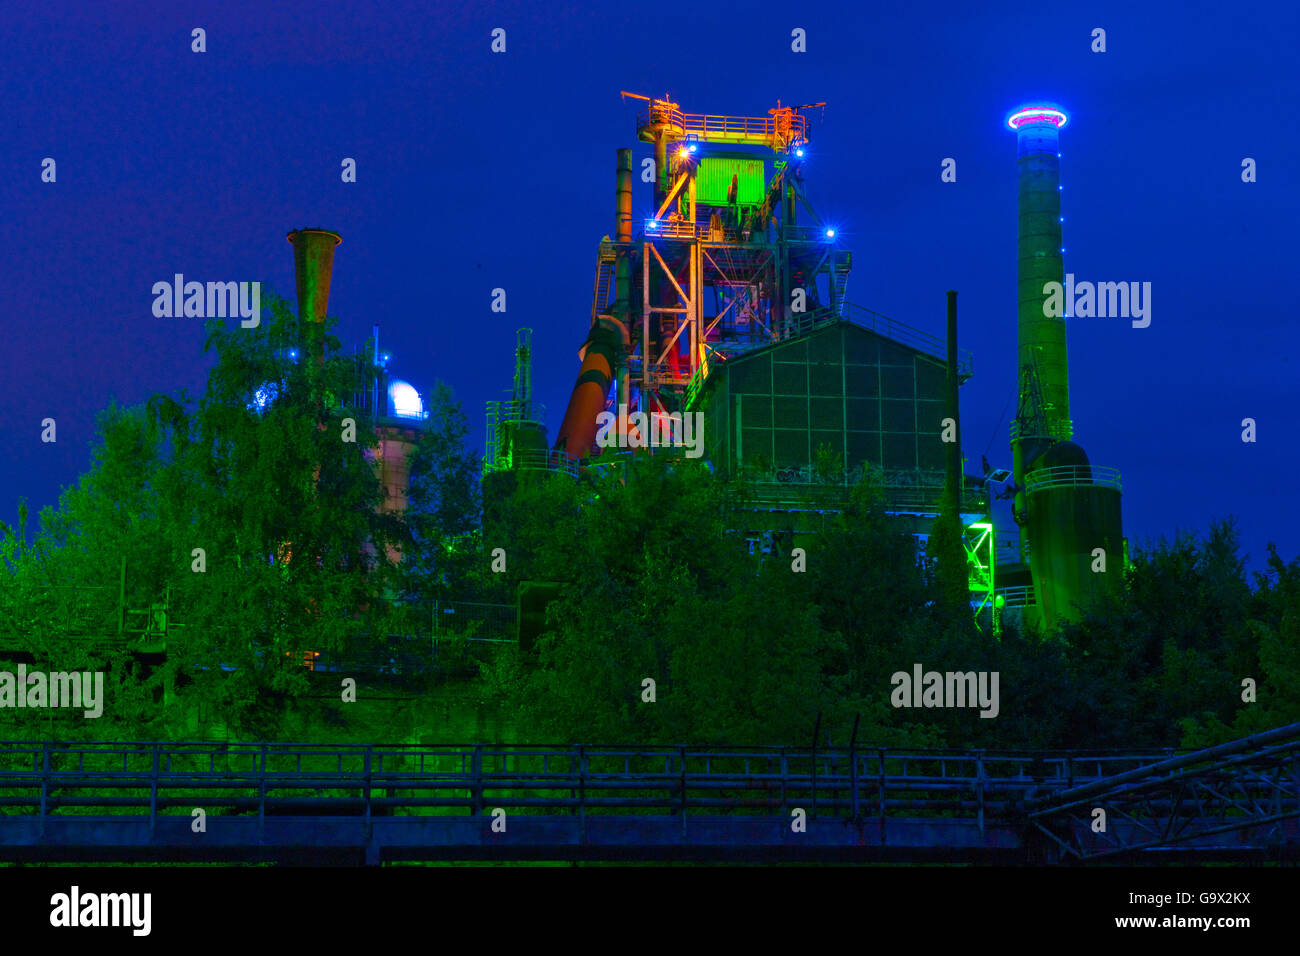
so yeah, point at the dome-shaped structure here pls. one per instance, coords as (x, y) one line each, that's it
(1061, 458)
(404, 401)
(1060, 455)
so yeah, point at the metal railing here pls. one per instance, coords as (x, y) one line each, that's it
(474, 621)
(1021, 596)
(71, 779)
(756, 129)
(542, 459)
(729, 232)
(1073, 476)
(901, 489)
(893, 329)
(131, 801)
(688, 229)
(801, 323)
(805, 234)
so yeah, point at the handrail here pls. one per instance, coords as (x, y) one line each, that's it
(687, 229)
(787, 126)
(1018, 596)
(901, 488)
(44, 777)
(130, 799)
(548, 459)
(893, 329)
(1073, 476)
(804, 234)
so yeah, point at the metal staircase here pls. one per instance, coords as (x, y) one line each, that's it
(604, 286)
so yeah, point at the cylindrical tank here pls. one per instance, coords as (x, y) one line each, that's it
(524, 443)
(1076, 537)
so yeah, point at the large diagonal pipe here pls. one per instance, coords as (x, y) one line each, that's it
(604, 353)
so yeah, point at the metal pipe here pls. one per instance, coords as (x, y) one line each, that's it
(606, 340)
(661, 168)
(623, 197)
(954, 409)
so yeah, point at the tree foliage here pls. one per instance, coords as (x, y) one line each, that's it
(254, 522)
(258, 527)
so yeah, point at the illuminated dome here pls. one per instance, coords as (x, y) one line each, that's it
(404, 400)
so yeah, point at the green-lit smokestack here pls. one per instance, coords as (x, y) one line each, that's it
(1041, 338)
(1071, 529)
(1042, 365)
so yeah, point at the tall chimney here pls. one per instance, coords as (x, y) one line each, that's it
(313, 263)
(1042, 368)
(1041, 338)
(623, 197)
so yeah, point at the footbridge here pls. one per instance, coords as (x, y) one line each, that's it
(354, 804)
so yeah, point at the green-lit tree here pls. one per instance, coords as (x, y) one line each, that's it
(658, 590)
(253, 511)
(445, 510)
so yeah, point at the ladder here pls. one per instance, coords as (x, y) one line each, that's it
(840, 278)
(604, 286)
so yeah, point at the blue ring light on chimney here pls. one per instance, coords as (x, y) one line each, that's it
(1037, 114)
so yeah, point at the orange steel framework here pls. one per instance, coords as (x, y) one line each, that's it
(703, 277)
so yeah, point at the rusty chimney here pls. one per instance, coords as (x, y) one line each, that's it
(313, 262)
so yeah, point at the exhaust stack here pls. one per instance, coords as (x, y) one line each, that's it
(1069, 510)
(1041, 338)
(953, 450)
(313, 264)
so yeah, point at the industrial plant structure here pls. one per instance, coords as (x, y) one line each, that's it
(1071, 540)
(394, 405)
(730, 299)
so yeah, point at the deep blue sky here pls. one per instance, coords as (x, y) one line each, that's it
(478, 170)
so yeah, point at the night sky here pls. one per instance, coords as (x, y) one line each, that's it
(477, 170)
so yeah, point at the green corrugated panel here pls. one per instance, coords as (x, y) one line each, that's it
(714, 179)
